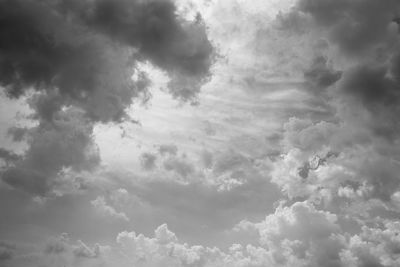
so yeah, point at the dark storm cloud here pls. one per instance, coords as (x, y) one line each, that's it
(65, 142)
(359, 66)
(77, 48)
(79, 57)
(377, 88)
(153, 28)
(371, 85)
(41, 50)
(320, 74)
(362, 27)
(7, 251)
(353, 25)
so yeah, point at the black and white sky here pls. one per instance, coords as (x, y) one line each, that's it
(199, 133)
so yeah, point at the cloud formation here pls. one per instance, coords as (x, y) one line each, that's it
(75, 62)
(303, 170)
(106, 210)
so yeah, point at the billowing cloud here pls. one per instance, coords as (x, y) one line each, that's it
(291, 158)
(75, 62)
(297, 235)
(354, 26)
(65, 142)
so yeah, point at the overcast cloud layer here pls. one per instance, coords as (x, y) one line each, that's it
(200, 133)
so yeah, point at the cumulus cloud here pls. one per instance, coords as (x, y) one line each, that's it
(74, 61)
(70, 48)
(322, 156)
(301, 235)
(296, 235)
(336, 161)
(65, 142)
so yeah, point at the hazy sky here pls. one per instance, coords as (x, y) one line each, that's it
(209, 133)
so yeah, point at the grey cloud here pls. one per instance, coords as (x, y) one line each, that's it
(18, 133)
(180, 166)
(73, 49)
(43, 50)
(81, 55)
(8, 156)
(376, 87)
(104, 209)
(302, 235)
(228, 161)
(371, 85)
(7, 251)
(83, 251)
(65, 142)
(353, 25)
(205, 205)
(57, 245)
(207, 158)
(168, 149)
(320, 74)
(364, 94)
(314, 164)
(148, 161)
(181, 48)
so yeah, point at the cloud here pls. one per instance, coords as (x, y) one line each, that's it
(18, 133)
(163, 249)
(106, 210)
(325, 74)
(355, 73)
(62, 250)
(57, 245)
(70, 48)
(354, 26)
(65, 142)
(301, 235)
(304, 233)
(321, 74)
(296, 235)
(148, 161)
(180, 166)
(74, 61)
(7, 251)
(8, 156)
(180, 48)
(83, 251)
(168, 149)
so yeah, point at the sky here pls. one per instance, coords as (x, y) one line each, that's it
(199, 133)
